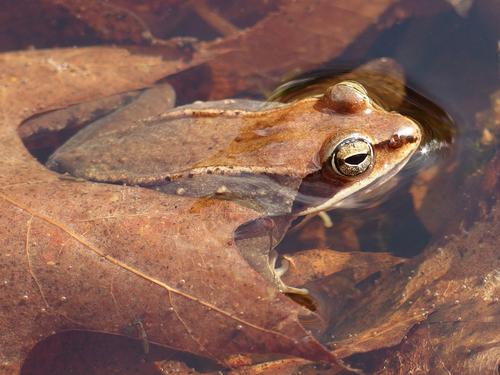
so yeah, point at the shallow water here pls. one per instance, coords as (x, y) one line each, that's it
(451, 68)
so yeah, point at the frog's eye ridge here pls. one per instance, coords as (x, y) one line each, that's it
(347, 97)
(352, 157)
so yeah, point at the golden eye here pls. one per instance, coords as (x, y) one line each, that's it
(352, 157)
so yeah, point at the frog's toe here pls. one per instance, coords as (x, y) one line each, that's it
(279, 272)
(292, 290)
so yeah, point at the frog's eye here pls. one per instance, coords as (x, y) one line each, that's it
(352, 157)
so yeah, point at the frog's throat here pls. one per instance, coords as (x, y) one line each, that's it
(357, 187)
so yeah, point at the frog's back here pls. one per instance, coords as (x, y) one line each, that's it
(122, 149)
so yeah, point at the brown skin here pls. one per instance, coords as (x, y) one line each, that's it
(274, 158)
(231, 148)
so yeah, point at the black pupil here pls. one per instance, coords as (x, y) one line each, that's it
(356, 159)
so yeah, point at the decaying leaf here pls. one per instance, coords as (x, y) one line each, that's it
(286, 32)
(437, 313)
(124, 260)
(78, 255)
(432, 308)
(310, 265)
(84, 353)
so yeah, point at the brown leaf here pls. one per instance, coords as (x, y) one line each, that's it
(441, 307)
(79, 255)
(119, 21)
(280, 367)
(84, 353)
(437, 313)
(259, 56)
(253, 56)
(153, 21)
(310, 265)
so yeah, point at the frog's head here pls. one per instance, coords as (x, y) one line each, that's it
(321, 151)
(365, 148)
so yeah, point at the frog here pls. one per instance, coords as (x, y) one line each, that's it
(283, 160)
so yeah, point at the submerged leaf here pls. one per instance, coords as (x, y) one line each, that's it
(80, 255)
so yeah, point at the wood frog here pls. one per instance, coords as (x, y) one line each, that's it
(281, 160)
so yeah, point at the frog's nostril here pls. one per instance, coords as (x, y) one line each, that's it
(409, 133)
(402, 137)
(396, 141)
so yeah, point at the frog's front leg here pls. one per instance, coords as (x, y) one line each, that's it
(256, 241)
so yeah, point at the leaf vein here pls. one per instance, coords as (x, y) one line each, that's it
(138, 272)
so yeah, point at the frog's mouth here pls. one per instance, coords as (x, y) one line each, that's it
(375, 192)
(318, 194)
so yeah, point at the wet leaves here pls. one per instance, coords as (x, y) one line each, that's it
(77, 255)
(454, 287)
(127, 261)
(312, 40)
(258, 42)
